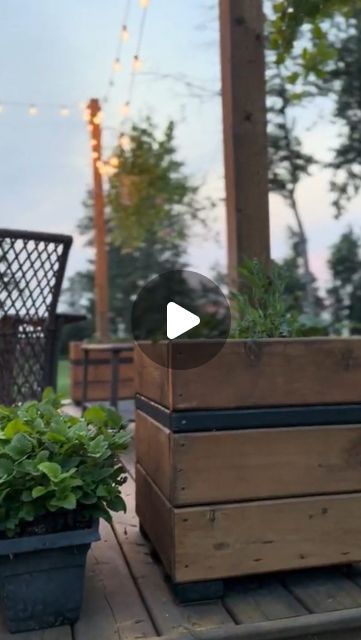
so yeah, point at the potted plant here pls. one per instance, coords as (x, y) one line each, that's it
(251, 462)
(58, 475)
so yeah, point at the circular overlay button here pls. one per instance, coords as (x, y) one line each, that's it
(178, 307)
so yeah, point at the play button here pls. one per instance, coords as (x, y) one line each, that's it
(178, 306)
(179, 320)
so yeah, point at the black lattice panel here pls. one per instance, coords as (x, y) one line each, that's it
(31, 271)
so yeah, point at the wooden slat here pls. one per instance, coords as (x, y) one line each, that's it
(324, 590)
(157, 518)
(230, 466)
(264, 599)
(167, 615)
(154, 445)
(278, 372)
(219, 541)
(112, 605)
(151, 379)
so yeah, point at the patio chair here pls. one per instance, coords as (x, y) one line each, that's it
(32, 267)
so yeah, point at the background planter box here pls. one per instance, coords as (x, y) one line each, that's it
(99, 374)
(230, 480)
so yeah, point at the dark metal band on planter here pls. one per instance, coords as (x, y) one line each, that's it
(260, 418)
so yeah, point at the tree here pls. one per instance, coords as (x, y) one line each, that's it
(150, 204)
(288, 165)
(344, 294)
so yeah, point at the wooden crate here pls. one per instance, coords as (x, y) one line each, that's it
(250, 463)
(99, 374)
(252, 373)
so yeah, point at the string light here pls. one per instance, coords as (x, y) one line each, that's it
(124, 34)
(98, 118)
(93, 142)
(137, 63)
(33, 110)
(125, 109)
(95, 154)
(64, 111)
(86, 115)
(124, 141)
(114, 162)
(144, 3)
(116, 67)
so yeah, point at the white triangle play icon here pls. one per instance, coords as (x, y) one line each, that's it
(179, 320)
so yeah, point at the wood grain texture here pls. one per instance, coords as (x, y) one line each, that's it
(154, 446)
(249, 538)
(325, 591)
(230, 466)
(264, 463)
(151, 379)
(300, 371)
(255, 600)
(112, 605)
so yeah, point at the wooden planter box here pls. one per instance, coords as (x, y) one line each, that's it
(99, 374)
(250, 463)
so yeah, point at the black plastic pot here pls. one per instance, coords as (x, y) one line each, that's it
(42, 578)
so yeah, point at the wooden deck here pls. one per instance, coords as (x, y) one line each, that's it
(127, 598)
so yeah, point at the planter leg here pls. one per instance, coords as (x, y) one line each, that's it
(143, 532)
(188, 592)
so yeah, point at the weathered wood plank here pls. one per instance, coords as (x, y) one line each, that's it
(259, 537)
(230, 466)
(278, 372)
(151, 379)
(324, 590)
(154, 448)
(229, 540)
(167, 615)
(264, 599)
(112, 605)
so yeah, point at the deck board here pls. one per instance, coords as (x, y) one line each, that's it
(167, 615)
(260, 600)
(112, 605)
(323, 590)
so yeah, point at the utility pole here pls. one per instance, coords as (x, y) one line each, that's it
(101, 256)
(244, 128)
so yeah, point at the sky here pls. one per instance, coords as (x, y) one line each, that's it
(60, 53)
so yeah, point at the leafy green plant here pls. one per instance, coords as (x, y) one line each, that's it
(56, 468)
(261, 310)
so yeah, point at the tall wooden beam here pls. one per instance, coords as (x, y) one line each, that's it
(245, 138)
(101, 256)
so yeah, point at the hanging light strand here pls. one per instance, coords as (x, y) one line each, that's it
(136, 62)
(117, 62)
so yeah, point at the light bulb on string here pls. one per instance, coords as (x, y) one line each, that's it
(95, 155)
(125, 109)
(137, 63)
(33, 110)
(1, 108)
(124, 141)
(86, 115)
(114, 162)
(98, 118)
(124, 34)
(93, 142)
(64, 111)
(117, 66)
(144, 3)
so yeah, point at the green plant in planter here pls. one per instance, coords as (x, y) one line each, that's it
(261, 310)
(57, 471)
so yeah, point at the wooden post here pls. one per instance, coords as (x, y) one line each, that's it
(245, 138)
(101, 256)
